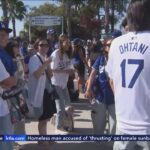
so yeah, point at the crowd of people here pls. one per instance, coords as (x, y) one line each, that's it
(111, 72)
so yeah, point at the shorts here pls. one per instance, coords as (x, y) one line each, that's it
(49, 106)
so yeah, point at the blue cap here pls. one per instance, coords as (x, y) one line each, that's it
(50, 31)
(116, 33)
(77, 41)
(4, 27)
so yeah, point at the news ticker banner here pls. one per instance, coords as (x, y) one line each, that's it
(11, 138)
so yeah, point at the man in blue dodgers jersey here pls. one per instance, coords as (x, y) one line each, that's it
(129, 69)
(98, 84)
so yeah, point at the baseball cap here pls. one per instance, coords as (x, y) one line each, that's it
(4, 27)
(50, 31)
(116, 33)
(77, 41)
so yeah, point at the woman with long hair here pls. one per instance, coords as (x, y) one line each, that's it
(79, 62)
(61, 67)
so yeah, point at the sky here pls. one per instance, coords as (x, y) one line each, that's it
(30, 4)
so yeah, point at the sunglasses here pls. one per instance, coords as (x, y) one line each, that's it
(43, 45)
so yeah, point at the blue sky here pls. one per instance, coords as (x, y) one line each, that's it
(30, 4)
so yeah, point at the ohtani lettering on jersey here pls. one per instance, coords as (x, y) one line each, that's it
(133, 47)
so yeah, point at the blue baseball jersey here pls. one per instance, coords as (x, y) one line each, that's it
(8, 62)
(96, 90)
(103, 80)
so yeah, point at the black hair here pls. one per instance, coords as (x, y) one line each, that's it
(138, 15)
(10, 46)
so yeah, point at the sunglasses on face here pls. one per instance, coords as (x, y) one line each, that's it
(43, 45)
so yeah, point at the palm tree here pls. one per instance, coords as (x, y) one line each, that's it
(5, 11)
(16, 10)
(68, 4)
(106, 16)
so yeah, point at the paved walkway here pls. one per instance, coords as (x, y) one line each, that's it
(83, 125)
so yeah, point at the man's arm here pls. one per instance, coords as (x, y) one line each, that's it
(8, 82)
(89, 84)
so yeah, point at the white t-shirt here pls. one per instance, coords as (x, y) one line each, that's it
(3, 104)
(60, 79)
(36, 86)
(129, 68)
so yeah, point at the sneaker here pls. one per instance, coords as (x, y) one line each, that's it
(61, 131)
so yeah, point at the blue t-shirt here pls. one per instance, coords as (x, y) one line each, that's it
(52, 47)
(50, 50)
(76, 57)
(26, 59)
(23, 51)
(8, 62)
(103, 80)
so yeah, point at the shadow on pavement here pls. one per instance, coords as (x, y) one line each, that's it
(81, 106)
(83, 120)
(81, 131)
(69, 146)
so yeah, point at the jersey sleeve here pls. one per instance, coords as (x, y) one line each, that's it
(96, 64)
(3, 73)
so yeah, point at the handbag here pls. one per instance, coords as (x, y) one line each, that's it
(18, 108)
(16, 103)
(49, 87)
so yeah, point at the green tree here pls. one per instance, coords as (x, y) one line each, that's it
(73, 12)
(68, 4)
(12, 10)
(16, 10)
(3, 5)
